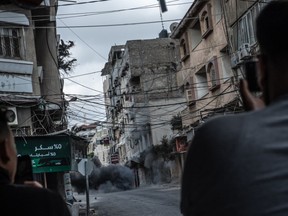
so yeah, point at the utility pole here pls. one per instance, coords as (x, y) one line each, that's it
(85, 167)
(87, 188)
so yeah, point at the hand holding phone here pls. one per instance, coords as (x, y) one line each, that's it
(250, 101)
(24, 169)
(251, 76)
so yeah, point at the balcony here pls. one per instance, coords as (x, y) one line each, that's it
(16, 76)
(14, 18)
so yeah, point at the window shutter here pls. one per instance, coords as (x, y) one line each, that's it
(184, 44)
(190, 93)
(187, 43)
(216, 70)
(213, 71)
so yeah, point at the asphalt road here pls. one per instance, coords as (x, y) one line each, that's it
(155, 200)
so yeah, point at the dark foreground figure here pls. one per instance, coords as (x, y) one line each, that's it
(238, 165)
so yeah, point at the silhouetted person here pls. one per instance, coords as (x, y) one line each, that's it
(28, 198)
(238, 165)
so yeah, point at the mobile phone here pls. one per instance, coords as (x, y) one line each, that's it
(251, 76)
(24, 170)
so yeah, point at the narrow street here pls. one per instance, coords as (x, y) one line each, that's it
(155, 200)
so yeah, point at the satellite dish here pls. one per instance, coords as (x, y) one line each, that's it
(173, 26)
(27, 4)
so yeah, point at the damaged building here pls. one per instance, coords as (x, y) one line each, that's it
(141, 97)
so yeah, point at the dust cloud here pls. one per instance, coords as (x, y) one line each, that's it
(105, 179)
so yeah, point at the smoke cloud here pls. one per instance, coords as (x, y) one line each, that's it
(157, 169)
(104, 178)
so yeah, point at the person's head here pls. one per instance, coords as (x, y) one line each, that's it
(272, 34)
(8, 153)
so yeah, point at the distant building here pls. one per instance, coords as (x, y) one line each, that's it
(141, 97)
(86, 132)
(101, 145)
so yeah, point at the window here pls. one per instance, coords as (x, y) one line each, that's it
(9, 43)
(135, 81)
(244, 29)
(184, 47)
(124, 69)
(196, 36)
(201, 82)
(213, 73)
(217, 10)
(206, 21)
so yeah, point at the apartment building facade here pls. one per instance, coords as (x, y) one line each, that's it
(100, 145)
(217, 39)
(241, 24)
(141, 97)
(206, 74)
(31, 88)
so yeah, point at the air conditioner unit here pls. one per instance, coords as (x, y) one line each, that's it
(245, 51)
(12, 116)
(190, 98)
(234, 60)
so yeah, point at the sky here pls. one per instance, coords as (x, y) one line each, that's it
(95, 26)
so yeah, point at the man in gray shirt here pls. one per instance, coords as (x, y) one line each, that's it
(238, 165)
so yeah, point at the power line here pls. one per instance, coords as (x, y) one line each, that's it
(84, 41)
(75, 15)
(97, 26)
(133, 125)
(95, 13)
(80, 75)
(84, 86)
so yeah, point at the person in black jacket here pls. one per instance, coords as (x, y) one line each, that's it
(25, 199)
(238, 165)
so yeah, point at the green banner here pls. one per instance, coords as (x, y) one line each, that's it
(48, 153)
